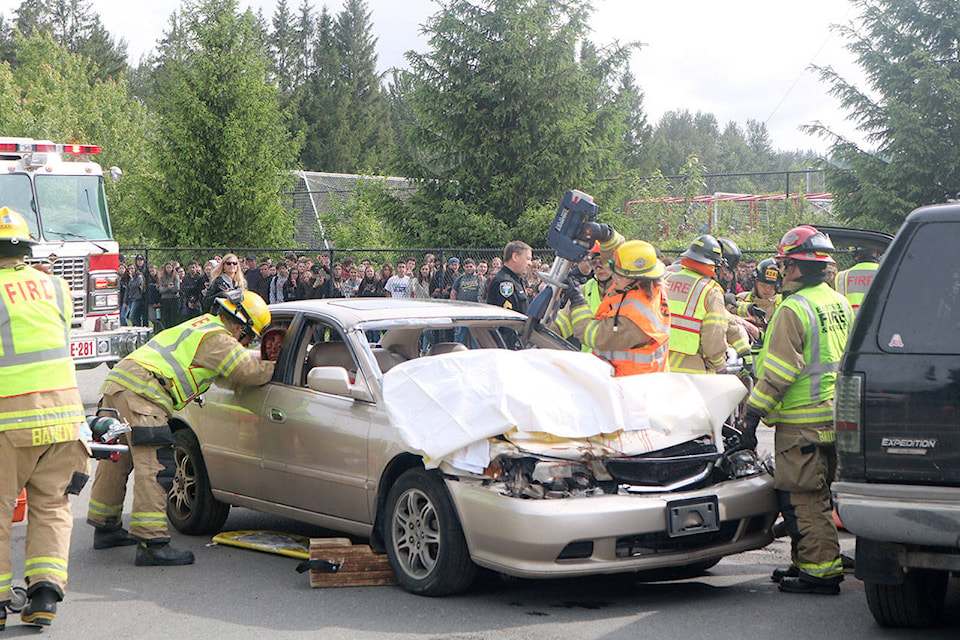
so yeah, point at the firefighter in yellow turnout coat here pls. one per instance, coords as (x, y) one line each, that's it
(631, 325)
(796, 373)
(40, 417)
(162, 376)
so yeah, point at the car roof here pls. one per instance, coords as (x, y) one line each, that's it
(351, 311)
(944, 212)
(851, 237)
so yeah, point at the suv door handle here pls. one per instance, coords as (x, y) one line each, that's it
(276, 415)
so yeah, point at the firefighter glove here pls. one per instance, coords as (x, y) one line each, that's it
(591, 231)
(570, 293)
(730, 299)
(757, 313)
(748, 430)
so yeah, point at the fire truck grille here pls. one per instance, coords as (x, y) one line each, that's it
(72, 270)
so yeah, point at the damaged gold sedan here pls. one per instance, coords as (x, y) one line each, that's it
(453, 455)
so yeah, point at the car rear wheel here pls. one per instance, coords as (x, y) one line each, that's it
(917, 602)
(424, 540)
(191, 507)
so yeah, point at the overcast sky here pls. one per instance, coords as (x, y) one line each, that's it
(739, 59)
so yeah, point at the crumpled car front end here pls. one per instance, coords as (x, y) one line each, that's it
(534, 516)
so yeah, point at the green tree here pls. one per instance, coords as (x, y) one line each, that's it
(345, 108)
(907, 112)
(54, 94)
(223, 151)
(501, 116)
(74, 25)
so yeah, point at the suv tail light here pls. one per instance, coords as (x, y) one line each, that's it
(846, 411)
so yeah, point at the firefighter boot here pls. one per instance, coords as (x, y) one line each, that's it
(3, 615)
(109, 538)
(785, 572)
(41, 608)
(818, 587)
(159, 553)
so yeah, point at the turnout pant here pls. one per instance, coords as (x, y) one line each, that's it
(151, 464)
(46, 471)
(805, 468)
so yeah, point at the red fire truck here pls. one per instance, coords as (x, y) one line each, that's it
(60, 193)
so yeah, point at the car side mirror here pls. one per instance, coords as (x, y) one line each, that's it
(336, 381)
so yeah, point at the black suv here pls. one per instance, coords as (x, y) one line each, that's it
(898, 423)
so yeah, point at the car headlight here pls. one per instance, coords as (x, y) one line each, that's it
(535, 478)
(742, 464)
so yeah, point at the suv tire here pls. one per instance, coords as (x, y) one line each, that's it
(917, 602)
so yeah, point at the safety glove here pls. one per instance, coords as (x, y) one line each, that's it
(595, 231)
(570, 293)
(748, 429)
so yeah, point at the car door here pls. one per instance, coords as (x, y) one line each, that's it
(314, 443)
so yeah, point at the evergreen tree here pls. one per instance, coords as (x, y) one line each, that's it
(502, 117)
(908, 51)
(222, 148)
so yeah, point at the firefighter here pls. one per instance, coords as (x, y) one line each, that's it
(698, 320)
(631, 326)
(854, 282)
(594, 290)
(160, 377)
(766, 281)
(797, 371)
(40, 418)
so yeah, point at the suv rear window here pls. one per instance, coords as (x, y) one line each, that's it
(922, 310)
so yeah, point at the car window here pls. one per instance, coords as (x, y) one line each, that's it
(324, 346)
(922, 310)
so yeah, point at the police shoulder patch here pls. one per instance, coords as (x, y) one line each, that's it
(506, 288)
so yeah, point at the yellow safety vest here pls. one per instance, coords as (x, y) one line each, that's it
(35, 313)
(169, 356)
(855, 281)
(686, 295)
(826, 318)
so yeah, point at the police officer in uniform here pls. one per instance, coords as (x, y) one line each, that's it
(160, 377)
(797, 370)
(40, 418)
(507, 287)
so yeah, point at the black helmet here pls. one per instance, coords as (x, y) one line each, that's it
(704, 249)
(767, 271)
(731, 252)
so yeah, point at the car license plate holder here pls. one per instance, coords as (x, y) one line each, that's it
(692, 516)
(83, 348)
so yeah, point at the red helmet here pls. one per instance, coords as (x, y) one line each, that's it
(805, 243)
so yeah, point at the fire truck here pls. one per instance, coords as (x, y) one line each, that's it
(60, 193)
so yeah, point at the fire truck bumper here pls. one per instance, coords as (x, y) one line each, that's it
(90, 350)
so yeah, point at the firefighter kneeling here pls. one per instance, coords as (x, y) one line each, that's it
(40, 417)
(631, 326)
(160, 377)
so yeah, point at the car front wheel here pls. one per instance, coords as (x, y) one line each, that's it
(424, 540)
(191, 507)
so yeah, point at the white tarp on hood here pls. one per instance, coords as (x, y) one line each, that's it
(547, 401)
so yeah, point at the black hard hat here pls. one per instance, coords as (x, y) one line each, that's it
(767, 271)
(731, 252)
(705, 249)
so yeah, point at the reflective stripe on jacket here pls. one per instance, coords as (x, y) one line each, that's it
(38, 382)
(686, 293)
(650, 315)
(169, 357)
(855, 281)
(824, 319)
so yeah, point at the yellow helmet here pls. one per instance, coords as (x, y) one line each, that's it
(247, 308)
(14, 230)
(637, 259)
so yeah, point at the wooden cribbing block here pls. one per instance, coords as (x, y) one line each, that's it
(359, 565)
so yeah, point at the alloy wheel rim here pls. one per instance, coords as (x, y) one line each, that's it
(416, 533)
(184, 489)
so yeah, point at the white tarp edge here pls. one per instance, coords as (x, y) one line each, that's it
(446, 406)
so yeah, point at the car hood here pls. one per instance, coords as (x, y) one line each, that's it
(556, 403)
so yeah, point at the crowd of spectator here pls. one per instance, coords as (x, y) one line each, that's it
(164, 295)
